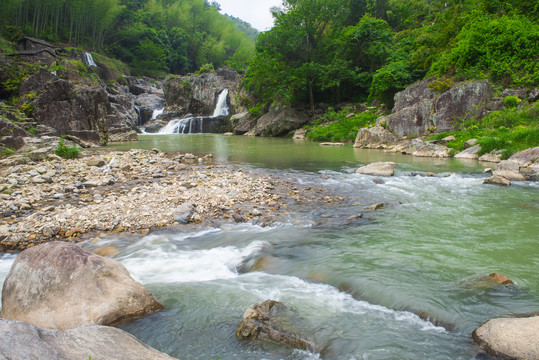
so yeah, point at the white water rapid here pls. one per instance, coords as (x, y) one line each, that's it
(89, 60)
(192, 125)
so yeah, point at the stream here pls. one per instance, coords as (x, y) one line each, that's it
(421, 253)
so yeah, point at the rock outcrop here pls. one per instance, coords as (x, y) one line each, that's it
(242, 123)
(198, 94)
(522, 166)
(511, 338)
(279, 121)
(418, 109)
(267, 321)
(61, 286)
(19, 340)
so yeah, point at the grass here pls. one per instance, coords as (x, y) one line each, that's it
(334, 126)
(508, 131)
(66, 152)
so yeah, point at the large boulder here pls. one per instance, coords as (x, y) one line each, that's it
(377, 169)
(417, 109)
(242, 123)
(147, 103)
(76, 110)
(60, 286)
(11, 135)
(511, 338)
(19, 340)
(270, 321)
(462, 101)
(279, 121)
(375, 137)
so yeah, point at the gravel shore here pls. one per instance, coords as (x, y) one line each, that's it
(104, 192)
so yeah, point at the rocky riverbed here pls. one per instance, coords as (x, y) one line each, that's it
(104, 192)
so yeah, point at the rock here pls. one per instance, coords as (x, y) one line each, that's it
(374, 137)
(242, 123)
(431, 150)
(331, 144)
(510, 175)
(499, 279)
(489, 157)
(19, 340)
(533, 95)
(267, 321)
(375, 206)
(469, 143)
(511, 338)
(11, 135)
(198, 94)
(423, 174)
(184, 213)
(106, 251)
(508, 165)
(96, 163)
(471, 153)
(417, 109)
(449, 138)
(280, 121)
(526, 157)
(461, 101)
(497, 180)
(228, 134)
(378, 169)
(64, 287)
(146, 104)
(300, 134)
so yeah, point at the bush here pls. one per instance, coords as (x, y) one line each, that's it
(66, 152)
(336, 127)
(511, 101)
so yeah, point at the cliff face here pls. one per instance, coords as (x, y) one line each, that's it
(418, 108)
(198, 94)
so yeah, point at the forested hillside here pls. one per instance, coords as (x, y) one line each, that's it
(354, 50)
(152, 36)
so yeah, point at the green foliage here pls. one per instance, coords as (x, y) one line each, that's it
(504, 47)
(150, 35)
(66, 152)
(335, 126)
(389, 80)
(205, 69)
(439, 86)
(511, 101)
(508, 131)
(6, 151)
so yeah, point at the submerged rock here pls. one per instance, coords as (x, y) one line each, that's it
(511, 338)
(266, 321)
(64, 287)
(19, 340)
(378, 169)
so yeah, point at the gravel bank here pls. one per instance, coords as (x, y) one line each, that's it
(105, 192)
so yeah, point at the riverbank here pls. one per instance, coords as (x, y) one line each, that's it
(105, 192)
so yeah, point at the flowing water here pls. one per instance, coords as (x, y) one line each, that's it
(422, 253)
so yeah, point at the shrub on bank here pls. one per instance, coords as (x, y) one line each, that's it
(335, 126)
(66, 152)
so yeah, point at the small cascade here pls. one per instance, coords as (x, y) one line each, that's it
(89, 60)
(156, 113)
(198, 125)
(221, 108)
(139, 115)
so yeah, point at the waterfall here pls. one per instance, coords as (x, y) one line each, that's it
(156, 113)
(89, 59)
(201, 124)
(221, 108)
(137, 109)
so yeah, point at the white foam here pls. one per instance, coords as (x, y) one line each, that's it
(160, 265)
(323, 300)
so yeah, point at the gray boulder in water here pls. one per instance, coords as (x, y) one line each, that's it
(19, 340)
(511, 338)
(267, 321)
(62, 286)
